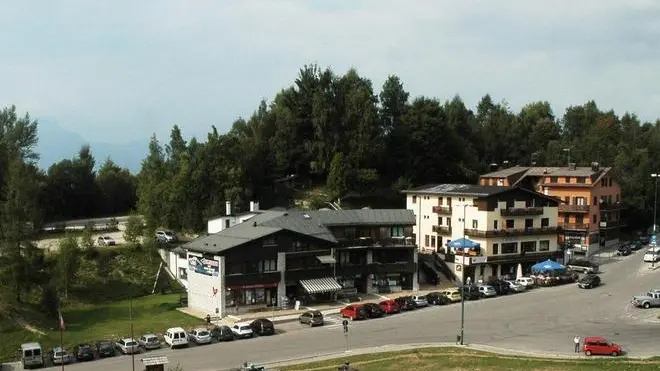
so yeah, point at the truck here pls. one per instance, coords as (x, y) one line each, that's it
(651, 299)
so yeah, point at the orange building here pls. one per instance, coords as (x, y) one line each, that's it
(590, 214)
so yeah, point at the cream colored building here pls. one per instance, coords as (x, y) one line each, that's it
(512, 225)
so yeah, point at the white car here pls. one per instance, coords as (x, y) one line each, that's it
(128, 346)
(652, 255)
(527, 282)
(515, 286)
(242, 330)
(200, 336)
(149, 341)
(165, 236)
(106, 241)
(176, 337)
(61, 356)
(420, 301)
(487, 291)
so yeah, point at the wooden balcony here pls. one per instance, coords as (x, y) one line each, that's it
(441, 229)
(521, 211)
(376, 242)
(573, 226)
(574, 208)
(511, 232)
(614, 206)
(443, 210)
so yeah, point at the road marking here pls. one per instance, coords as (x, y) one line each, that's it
(383, 297)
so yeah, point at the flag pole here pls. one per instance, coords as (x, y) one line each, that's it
(61, 326)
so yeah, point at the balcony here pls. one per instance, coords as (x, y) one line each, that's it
(252, 278)
(443, 210)
(521, 211)
(401, 267)
(613, 206)
(309, 273)
(573, 226)
(574, 208)
(441, 229)
(612, 224)
(510, 232)
(380, 242)
(522, 257)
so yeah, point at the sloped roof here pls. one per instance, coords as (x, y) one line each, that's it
(332, 218)
(458, 189)
(503, 173)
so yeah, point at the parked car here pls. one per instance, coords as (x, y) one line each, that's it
(200, 336)
(84, 352)
(487, 291)
(406, 303)
(598, 345)
(636, 246)
(166, 237)
(354, 312)
(105, 348)
(652, 255)
(514, 286)
(624, 250)
(390, 306)
(651, 299)
(501, 287)
(526, 282)
(437, 298)
(176, 337)
(420, 301)
(589, 281)
(61, 356)
(582, 265)
(453, 294)
(263, 327)
(311, 318)
(222, 333)
(149, 341)
(373, 310)
(470, 292)
(106, 241)
(31, 355)
(242, 330)
(127, 346)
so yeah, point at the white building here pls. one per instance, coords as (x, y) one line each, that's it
(219, 223)
(512, 226)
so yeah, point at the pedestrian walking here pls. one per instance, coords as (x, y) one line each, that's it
(576, 340)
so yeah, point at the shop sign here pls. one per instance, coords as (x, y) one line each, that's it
(253, 286)
(208, 267)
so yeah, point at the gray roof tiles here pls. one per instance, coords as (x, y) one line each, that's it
(458, 189)
(584, 171)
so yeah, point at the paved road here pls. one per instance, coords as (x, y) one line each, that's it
(85, 222)
(542, 320)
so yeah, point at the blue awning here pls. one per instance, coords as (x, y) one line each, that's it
(547, 266)
(463, 243)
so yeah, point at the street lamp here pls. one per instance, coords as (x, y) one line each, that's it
(568, 152)
(132, 333)
(463, 279)
(655, 212)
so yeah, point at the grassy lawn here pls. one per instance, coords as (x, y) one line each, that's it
(92, 322)
(466, 359)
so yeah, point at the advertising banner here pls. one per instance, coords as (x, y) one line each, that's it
(208, 267)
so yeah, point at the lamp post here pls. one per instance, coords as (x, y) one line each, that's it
(132, 334)
(655, 212)
(568, 151)
(463, 279)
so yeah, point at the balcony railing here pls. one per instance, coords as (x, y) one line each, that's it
(573, 226)
(403, 267)
(380, 242)
(252, 278)
(510, 232)
(521, 211)
(441, 229)
(574, 208)
(606, 206)
(445, 210)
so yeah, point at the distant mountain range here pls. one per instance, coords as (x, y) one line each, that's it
(57, 143)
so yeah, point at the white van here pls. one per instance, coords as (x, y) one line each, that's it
(31, 355)
(652, 255)
(176, 337)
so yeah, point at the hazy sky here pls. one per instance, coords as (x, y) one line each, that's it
(117, 70)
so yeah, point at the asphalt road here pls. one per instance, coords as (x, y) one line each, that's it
(542, 320)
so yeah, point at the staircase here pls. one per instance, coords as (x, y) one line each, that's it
(435, 267)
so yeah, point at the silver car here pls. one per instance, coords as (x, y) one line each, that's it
(200, 336)
(420, 301)
(149, 341)
(487, 291)
(515, 286)
(61, 356)
(128, 346)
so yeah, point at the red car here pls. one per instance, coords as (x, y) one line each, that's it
(390, 306)
(600, 345)
(354, 312)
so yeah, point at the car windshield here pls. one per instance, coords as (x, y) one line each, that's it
(244, 328)
(130, 343)
(105, 346)
(152, 339)
(203, 333)
(168, 233)
(60, 354)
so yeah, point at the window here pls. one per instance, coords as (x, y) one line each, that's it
(529, 223)
(448, 222)
(475, 224)
(594, 218)
(566, 221)
(529, 203)
(567, 199)
(509, 248)
(528, 246)
(439, 201)
(448, 201)
(496, 248)
(226, 223)
(610, 182)
(609, 199)
(269, 265)
(579, 219)
(509, 224)
(439, 220)
(617, 198)
(269, 242)
(580, 201)
(545, 222)
(432, 241)
(397, 231)
(509, 203)
(414, 199)
(544, 245)
(567, 179)
(580, 179)
(595, 201)
(495, 224)
(553, 179)
(426, 240)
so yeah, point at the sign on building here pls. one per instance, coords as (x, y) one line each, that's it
(208, 267)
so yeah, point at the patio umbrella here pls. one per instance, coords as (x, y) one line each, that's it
(462, 243)
(519, 272)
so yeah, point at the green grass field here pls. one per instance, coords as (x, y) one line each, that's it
(91, 322)
(429, 359)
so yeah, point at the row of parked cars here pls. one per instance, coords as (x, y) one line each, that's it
(176, 337)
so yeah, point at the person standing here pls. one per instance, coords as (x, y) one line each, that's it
(576, 340)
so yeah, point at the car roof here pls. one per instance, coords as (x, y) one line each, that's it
(31, 346)
(176, 329)
(594, 338)
(59, 349)
(200, 329)
(242, 324)
(149, 335)
(128, 339)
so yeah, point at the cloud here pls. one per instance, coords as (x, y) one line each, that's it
(118, 70)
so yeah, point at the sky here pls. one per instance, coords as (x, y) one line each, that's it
(117, 71)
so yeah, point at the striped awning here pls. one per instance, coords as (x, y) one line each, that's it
(320, 285)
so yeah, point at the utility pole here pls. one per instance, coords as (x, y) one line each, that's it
(463, 280)
(655, 213)
(132, 333)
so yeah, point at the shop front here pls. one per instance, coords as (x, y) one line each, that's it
(251, 297)
(389, 282)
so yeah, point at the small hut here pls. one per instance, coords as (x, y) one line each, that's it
(154, 363)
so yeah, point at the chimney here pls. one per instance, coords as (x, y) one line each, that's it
(595, 166)
(572, 166)
(254, 206)
(228, 208)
